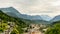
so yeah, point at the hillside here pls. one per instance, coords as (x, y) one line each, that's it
(4, 18)
(11, 11)
(56, 18)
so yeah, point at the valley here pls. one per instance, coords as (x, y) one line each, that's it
(13, 22)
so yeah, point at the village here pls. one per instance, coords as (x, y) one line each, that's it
(35, 29)
(31, 29)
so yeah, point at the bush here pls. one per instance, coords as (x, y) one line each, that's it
(54, 30)
(15, 31)
(1, 30)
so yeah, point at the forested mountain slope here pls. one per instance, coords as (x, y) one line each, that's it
(4, 18)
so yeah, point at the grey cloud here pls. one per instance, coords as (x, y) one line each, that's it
(31, 6)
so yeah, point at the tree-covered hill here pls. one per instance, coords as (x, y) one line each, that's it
(54, 29)
(4, 18)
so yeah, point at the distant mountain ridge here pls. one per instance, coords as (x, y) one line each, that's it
(13, 12)
(46, 17)
(56, 18)
(10, 11)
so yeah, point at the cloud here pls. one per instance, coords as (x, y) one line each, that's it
(34, 7)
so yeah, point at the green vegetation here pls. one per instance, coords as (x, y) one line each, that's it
(4, 19)
(3, 26)
(55, 29)
(1, 30)
(18, 24)
(15, 31)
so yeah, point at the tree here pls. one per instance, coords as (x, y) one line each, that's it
(1, 30)
(15, 31)
(54, 30)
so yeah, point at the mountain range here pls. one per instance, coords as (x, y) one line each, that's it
(15, 13)
(56, 18)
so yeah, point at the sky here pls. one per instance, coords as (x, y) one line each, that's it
(34, 7)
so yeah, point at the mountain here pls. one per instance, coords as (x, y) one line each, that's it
(6, 19)
(56, 18)
(10, 11)
(13, 12)
(46, 17)
(26, 18)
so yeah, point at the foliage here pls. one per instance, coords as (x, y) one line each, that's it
(3, 26)
(1, 29)
(15, 31)
(6, 18)
(54, 30)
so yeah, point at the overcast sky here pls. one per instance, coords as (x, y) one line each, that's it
(34, 7)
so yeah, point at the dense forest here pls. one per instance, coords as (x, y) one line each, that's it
(54, 28)
(5, 19)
